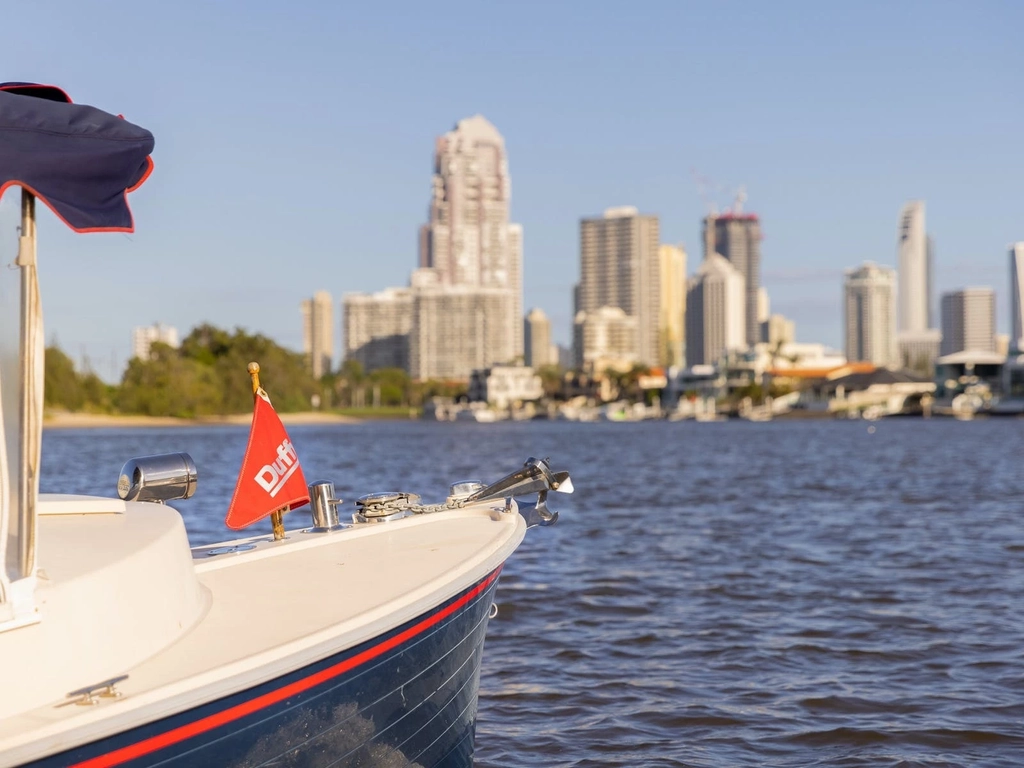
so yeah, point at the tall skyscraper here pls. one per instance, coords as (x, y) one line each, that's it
(918, 339)
(619, 268)
(537, 339)
(969, 321)
(930, 281)
(737, 237)
(870, 315)
(468, 240)
(914, 270)
(144, 337)
(716, 311)
(377, 328)
(318, 332)
(1017, 298)
(671, 327)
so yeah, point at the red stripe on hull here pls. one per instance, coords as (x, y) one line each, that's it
(154, 743)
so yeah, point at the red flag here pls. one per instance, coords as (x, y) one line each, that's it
(270, 478)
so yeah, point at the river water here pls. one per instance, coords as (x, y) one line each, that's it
(720, 594)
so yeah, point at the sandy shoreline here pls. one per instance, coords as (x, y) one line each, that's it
(98, 420)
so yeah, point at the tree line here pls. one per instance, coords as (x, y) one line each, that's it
(206, 376)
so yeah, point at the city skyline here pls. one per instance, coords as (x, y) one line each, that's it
(259, 200)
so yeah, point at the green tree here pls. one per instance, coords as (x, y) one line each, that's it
(168, 385)
(66, 389)
(394, 385)
(62, 387)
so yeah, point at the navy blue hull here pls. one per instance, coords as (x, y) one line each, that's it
(406, 698)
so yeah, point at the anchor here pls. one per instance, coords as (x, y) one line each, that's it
(534, 477)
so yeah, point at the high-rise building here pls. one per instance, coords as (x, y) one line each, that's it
(870, 315)
(918, 339)
(377, 327)
(537, 339)
(716, 311)
(619, 268)
(671, 327)
(914, 270)
(1017, 298)
(144, 337)
(737, 237)
(468, 240)
(457, 329)
(318, 332)
(605, 338)
(968, 321)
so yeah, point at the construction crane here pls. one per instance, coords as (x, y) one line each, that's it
(707, 188)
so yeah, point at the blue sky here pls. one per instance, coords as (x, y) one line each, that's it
(294, 143)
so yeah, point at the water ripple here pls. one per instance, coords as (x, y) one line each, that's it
(783, 594)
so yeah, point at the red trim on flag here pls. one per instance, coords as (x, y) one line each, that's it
(86, 230)
(208, 723)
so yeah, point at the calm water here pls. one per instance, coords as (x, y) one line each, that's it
(784, 594)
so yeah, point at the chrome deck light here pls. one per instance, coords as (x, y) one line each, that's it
(160, 478)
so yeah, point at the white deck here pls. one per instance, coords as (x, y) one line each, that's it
(188, 634)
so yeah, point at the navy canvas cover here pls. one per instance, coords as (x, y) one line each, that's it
(79, 160)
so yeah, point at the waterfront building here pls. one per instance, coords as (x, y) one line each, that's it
(619, 267)
(469, 240)
(605, 338)
(968, 321)
(1017, 298)
(737, 237)
(318, 333)
(918, 350)
(672, 260)
(716, 305)
(377, 328)
(566, 356)
(778, 329)
(143, 337)
(870, 315)
(537, 339)
(1002, 344)
(457, 328)
(504, 385)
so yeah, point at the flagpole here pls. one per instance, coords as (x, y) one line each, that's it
(31, 395)
(277, 516)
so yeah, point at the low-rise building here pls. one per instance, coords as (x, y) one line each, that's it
(504, 385)
(882, 391)
(144, 337)
(605, 338)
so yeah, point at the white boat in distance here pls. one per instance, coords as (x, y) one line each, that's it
(338, 644)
